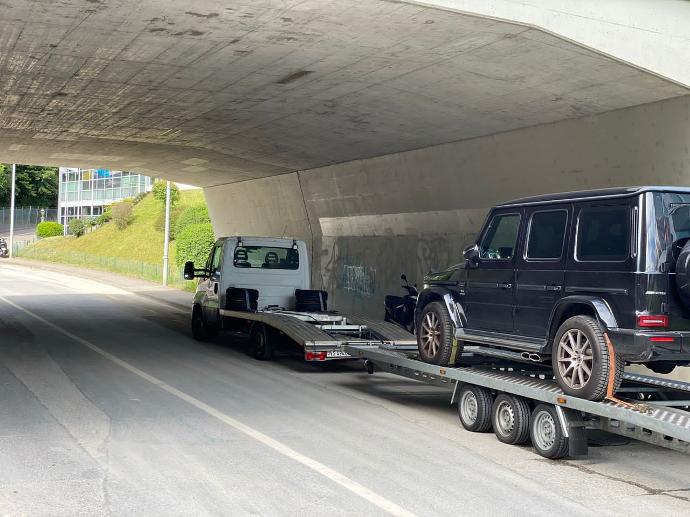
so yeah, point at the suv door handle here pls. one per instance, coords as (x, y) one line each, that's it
(555, 288)
(505, 286)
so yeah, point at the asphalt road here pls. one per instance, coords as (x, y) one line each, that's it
(108, 407)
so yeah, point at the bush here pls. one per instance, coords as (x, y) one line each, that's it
(194, 243)
(140, 196)
(122, 214)
(49, 229)
(77, 227)
(197, 214)
(91, 221)
(106, 216)
(159, 192)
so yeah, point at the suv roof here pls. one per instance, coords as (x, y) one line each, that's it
(582, 195)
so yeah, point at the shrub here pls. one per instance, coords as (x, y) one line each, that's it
(91, 221)
(159, 192)
(196, 214)
(122, 214)
(77, 227)
(159, 223)
(139, 197)
(194, 243)
(106, 216)
(49, 229)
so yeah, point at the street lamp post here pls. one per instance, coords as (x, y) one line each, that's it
(167, 233)
(14, 174)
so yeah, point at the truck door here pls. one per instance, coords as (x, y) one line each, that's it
(540, 274)
(490, 282)
(213, 286)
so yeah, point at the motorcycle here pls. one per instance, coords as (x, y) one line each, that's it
(4, 250)
(400, 309)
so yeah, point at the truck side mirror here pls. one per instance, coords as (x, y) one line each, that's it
(189, 270)
(471, 254)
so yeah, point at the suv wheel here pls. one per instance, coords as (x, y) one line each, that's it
(435, 334)
(580, 359)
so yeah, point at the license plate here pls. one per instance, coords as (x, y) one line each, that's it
(337, 353)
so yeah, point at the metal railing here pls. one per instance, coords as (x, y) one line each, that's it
(27, 215)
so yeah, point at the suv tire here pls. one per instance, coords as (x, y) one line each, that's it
(580, 359)
(435, 334)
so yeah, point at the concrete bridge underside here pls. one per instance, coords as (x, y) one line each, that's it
(379, 131)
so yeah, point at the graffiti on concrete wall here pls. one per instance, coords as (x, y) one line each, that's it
(358, 279)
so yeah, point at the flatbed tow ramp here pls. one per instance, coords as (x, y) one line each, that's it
(522, 401)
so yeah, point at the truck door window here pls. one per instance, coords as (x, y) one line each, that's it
(215, 260)
(500, 237)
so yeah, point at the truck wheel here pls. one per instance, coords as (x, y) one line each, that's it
(511, 419)
(474, 408)
(580, 359)
(261, 345)
(199, 329)
(435, 334)
(547, 434)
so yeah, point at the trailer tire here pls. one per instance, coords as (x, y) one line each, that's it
(260, 343)
(547, 434)
(435, 334)
(474, 408)
(200, 330)
(567, 360)
(510, 418)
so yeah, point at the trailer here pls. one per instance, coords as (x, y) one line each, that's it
(522, 402)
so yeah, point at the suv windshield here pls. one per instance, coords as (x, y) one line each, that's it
(266, 257)
(668, 222)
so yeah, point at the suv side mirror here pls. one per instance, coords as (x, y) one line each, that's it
(471, 254)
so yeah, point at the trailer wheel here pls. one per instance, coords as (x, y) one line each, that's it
(261, 345)
(511, 419)
(474, 408)
(199, 328)
(435, 334)
(547, 434)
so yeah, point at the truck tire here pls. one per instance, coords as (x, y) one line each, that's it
(546, 433)
(261, 346)
(435, 334)
(200, 330)
(510, 418)
(474, 408)
(580, 359)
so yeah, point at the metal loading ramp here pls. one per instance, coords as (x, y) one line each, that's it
(664, 422)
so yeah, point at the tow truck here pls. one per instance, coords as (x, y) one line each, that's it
(259, 287)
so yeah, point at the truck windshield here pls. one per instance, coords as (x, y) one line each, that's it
(668, 223)
(266, 257)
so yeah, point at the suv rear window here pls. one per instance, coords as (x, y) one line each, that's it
(603, 234)
(500, 237)
(546, 235)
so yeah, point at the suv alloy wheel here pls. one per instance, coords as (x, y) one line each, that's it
(435, 334)
(580, 359)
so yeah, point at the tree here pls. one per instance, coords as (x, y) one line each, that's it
(35, 185)
(122, 214)
(159, 192)
(77, 227)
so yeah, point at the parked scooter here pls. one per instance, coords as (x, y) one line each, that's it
(4, 250)
(400, 309)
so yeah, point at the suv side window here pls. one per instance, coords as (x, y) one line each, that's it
(500, 238)
(546, 235)
(603, 234)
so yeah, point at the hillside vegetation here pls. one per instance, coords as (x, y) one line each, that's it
(136, 250)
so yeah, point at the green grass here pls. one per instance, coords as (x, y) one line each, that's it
(135, 251)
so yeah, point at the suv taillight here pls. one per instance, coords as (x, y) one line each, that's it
(648, 320)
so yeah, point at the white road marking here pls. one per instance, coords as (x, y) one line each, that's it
(333, 475)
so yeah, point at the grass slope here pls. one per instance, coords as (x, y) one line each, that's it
(112, 249)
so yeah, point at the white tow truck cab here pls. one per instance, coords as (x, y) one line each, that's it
(260, 287)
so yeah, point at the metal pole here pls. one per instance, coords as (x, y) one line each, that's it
(14, 173)
(167, 233)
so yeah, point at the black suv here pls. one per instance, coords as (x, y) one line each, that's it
(551, 275)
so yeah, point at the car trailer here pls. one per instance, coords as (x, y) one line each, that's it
(522, 401)
(322, 335)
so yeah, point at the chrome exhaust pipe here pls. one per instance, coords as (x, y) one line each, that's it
(531, 356)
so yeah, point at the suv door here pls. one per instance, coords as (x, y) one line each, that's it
(490, 291)
(212, 286)
(540, 275)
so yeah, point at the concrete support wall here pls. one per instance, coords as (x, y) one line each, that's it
(370, 220)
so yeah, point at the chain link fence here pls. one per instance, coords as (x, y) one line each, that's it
(134, 268)
(27, 215)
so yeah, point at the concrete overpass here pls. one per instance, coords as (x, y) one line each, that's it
(379, 131)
